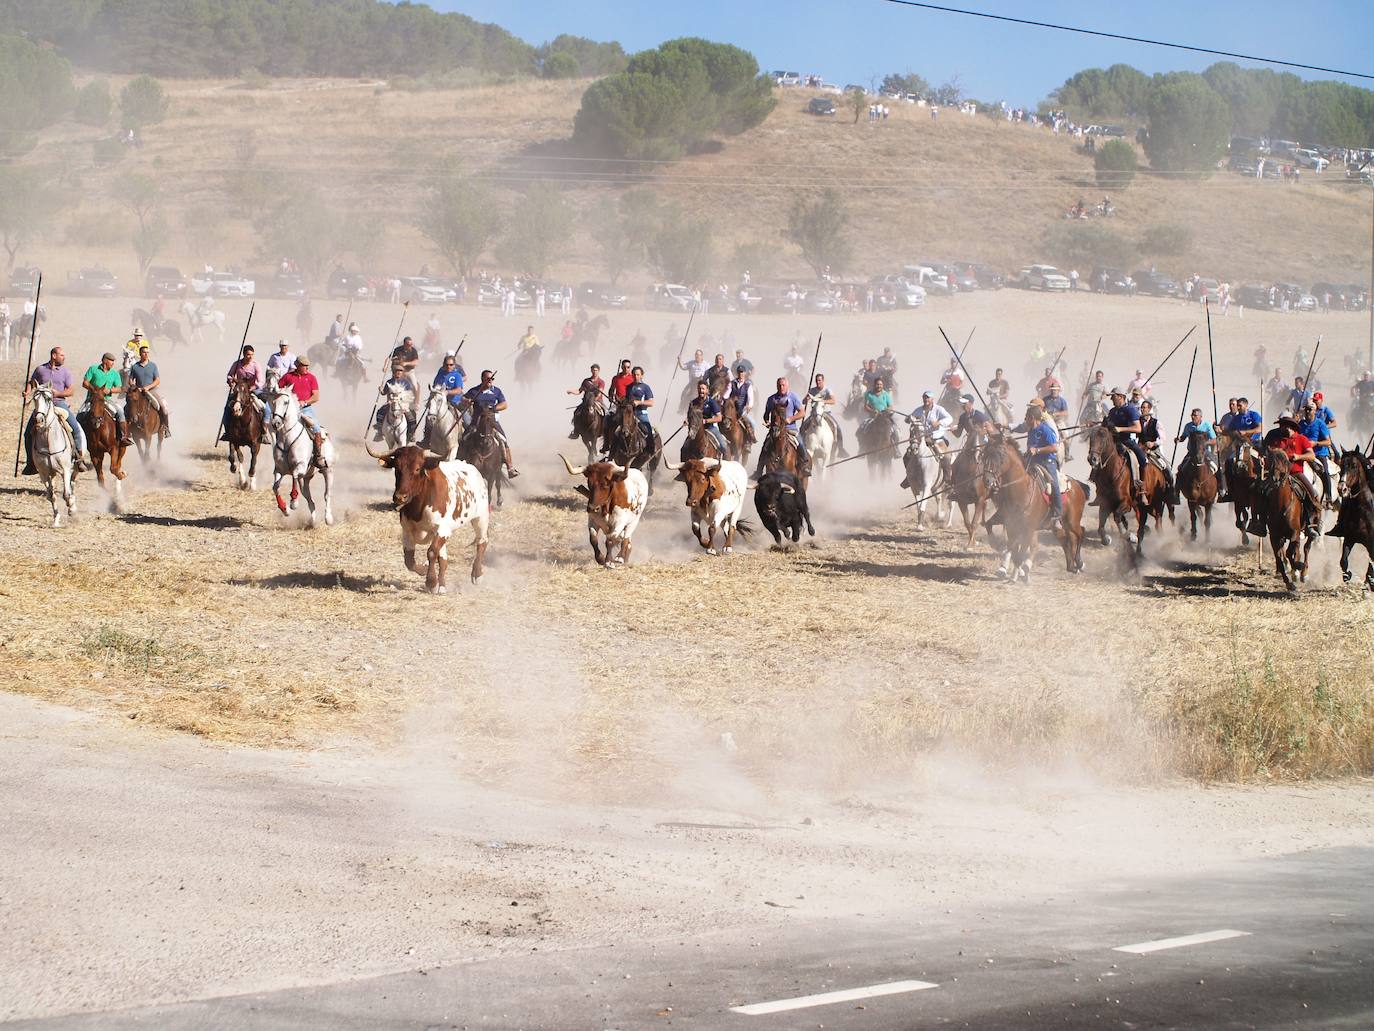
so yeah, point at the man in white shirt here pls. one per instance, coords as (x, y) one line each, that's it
(282, 362)
(934, 419)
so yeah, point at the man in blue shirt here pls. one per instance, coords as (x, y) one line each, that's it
(1299, 395)
(488, 395)
(1124, 422)
(641, 396)
(1314, 428)
(710, 415)
(1042, 449)
(1324, 412)
(1243, 426)
(452, 376)
(1195, 427)
(789, 406)
(1057, 411)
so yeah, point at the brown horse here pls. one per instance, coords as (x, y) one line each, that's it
(878, 439)
(1281, 503)
(629, 448)
(779, 451)
(698, 443)
(735, 429)
(1197, 483)
(102, 439)
(481, 449)
(967, 489)
(527, 367)
(1023, 506)
(718, 381)
(1355, 521)
(1242, 484)
(1111, 475)
(243, 430)
(589, 421)
(145, 423)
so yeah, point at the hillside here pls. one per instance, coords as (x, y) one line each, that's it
(961, 187)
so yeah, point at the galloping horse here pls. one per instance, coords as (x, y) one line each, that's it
(440, 428)
(1284, 518)
(779, 451)
(1111, 475)
(718, 381)
(350, 370)
(527, 366)
(297, 457)
(25, 326)
(818, 435)
(967, 489)
(736, 431)
(1355, 521)
(243, 429)
(53, 452)
(629, 448)
(1242, 483)
(198, 321)
(1023, 504)
(698, 442)
(878, 437)
(481, 449)
(589, 421)
(924, 472)
(395, 416)
(102, 439)
(1198, 484)
(145, 423)
(155, 327)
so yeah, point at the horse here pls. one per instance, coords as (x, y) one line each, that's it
(297, 457)
(1197, 483)
(854, 403)
(737, 432)
(878, 438)
(155, 327)
(1284, 518)
(145, 422)
(1355, 521)
(102, 439)
(440, 428)
(999, 410)
(1023, 504)
(53, 452)
(24, 328)
(527, 366)
(589, 421)
(325, 354)
(699, 443)
(924, 472)
(588, 331)
(1111, 475)
(818, 435)
(395, 416)
(629, 448)
(779, 451)
(481, 449)
(1242, 484)
(198, 320)
(243, 429)
(350, 370)
(1362, 415)
(718, 381)
(966, 486)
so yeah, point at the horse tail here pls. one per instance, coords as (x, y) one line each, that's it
(744, 528)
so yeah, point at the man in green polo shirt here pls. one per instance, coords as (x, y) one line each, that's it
(102, 383)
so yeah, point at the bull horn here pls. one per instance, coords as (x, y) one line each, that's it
(367, 446)
(706, 463)
(571, 471)
(619, 470)
(788, 490)
(671, 466)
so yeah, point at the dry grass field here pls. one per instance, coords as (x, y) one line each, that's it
(868, 652)
(961, 188)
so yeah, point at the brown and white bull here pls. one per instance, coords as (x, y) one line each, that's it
(435, 500)
(715, 494)
(616, 496)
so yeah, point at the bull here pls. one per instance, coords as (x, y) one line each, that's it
(715, 494)
(616, 496)
(780, 501)
(435, 499)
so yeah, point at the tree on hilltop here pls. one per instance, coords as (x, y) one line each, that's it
(820, 227)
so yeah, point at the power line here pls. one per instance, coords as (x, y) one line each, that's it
(1130, 39)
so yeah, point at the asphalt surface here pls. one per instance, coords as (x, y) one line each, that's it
(1301, 956)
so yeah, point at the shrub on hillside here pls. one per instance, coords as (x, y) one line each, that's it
(35, 91)
(96, 229)
(668, 101)
(1116, 165)
(1086, 244)
(142, 102)
(1166, 240)
(560, 66)
(1190, 125)
(94, 104)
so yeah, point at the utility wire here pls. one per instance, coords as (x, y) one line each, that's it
(1129, 39)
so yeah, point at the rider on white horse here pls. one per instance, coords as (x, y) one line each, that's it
(54, 374)
(827, 400)
(302, 382)
(399, 390)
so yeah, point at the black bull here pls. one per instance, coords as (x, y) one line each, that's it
(781, 504)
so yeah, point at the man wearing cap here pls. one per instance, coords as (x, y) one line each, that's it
(1057, 411)
(934, 419)
(452, 377)
(792, 412)
(54, 374)
(1124, 422)
(741, 362)
(102, 382)
(819, 390)
(1288, 438)
(1315, 429)
(488, 395)
(972, 423)
(302, 382)
(282, 361)
(1324, 413)
(404, 387)
(143, 375)
(1042, 449)
(134, 342)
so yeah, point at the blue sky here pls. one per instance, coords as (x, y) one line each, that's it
(853, 42)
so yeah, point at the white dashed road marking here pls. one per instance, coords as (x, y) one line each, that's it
(829, 998)
(1178, 943)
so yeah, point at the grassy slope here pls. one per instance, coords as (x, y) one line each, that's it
(960, 187)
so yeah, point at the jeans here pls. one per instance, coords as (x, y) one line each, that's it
(78, 434)
(308, 412)
(1051, 466)
(716, 435)
(1133, 446)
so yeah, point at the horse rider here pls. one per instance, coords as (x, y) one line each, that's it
(352, 344)
(488, 395)
(620, 383)
(401, 380)
(55, 374)
(302, 382)
(102, 382)
(1042, 449)
(1057, 411)
(870, 373)
(877, 400)
(1323, 411)
(741, 362)
(741, 395)
(1149, 440)
(282, 361)
(1094, 399)
(1314, 428)
(305, 318)
(1239, 426)
(710, 414)
(696, 368)
(592, 381)
(792, 413)
(527, 343)
(1124, 422)
(972, 423)
(792, 364)
(143, 375)
(641, 396)
(1196, 426)
(205, 309)
(951, 372)
(432, 333)
(337, 331)
(935, 420)
(134, 342)
(887, 365)
(246, 372)
(452, 376)
(998, 387)
(1289, 439)
(718, 370)
(1363, 390)
(1140, 382)
(1042, 386)
(828, 401)
(1299, 395)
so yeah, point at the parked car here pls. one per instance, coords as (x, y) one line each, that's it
(943, 272)
(343, 285)
(1044, 277)
(904, 293)
(821, 106)
(1208, 288)
(165, 281)
(222, 284)
(422, 290)
(820, 301)
(93, 282)
(284, 286)
(1112, 281)
(985, 276)
(1154, 284)
(600, 295)
(670, 297)
(1251, 295)
(24, 279)
(927, 278)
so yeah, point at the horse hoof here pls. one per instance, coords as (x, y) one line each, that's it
(728, 551)
(329, 519)
(441, 589)
(712, 551)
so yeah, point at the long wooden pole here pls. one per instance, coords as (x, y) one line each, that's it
(668, 390)
(1184, 409)
(242, 343)
(1211, 357)
(28, 371)
(814, 361)
(967, 375)
(1170, 355)
(1092, 371)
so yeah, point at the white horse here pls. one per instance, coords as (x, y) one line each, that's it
(925, 474)
(440, 429)
(53, 453)
(395, 423)
(296, 457)
(818, 436)
(193, 315)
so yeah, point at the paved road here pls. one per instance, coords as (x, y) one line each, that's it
(1292, 947)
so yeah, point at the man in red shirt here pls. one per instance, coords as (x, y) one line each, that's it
(1299, 449)
(302, 382)
(621, 381)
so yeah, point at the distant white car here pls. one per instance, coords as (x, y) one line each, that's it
(1044, 277)
(673, 296)
(421, 290)
(222, 284)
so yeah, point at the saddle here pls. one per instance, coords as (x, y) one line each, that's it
(1042, 478)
